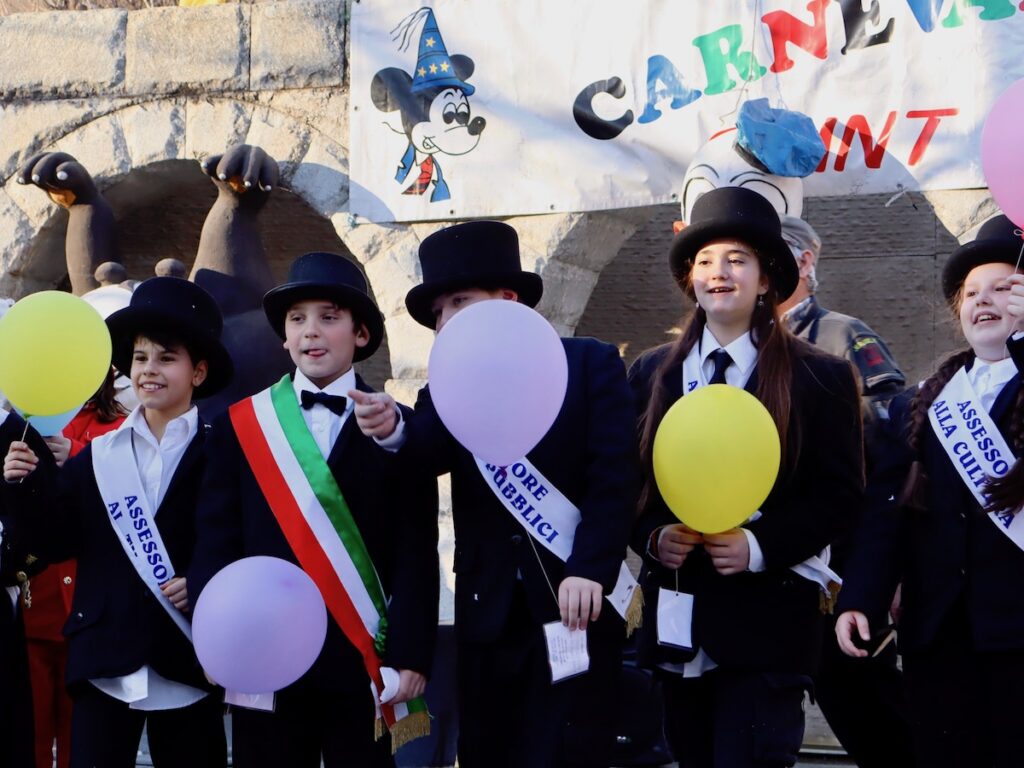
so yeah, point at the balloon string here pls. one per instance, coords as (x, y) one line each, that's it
(1019, 233)
(23, 433)
(543, 570)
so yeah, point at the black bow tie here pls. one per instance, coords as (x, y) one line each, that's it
(335, 403)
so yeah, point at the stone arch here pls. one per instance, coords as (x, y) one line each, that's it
(568, 249)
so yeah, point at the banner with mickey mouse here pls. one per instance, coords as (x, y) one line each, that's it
(478, 108)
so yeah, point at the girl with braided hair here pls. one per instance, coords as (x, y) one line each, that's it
(941, 515)
(755, 595)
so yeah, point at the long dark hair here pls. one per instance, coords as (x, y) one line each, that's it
(777, 351)
(105, 402)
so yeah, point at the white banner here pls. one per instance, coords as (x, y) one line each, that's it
(485, 108)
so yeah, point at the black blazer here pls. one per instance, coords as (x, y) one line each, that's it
(768, 621)
(116, 624)
(948, 554)
(395, 508)
(588, 454)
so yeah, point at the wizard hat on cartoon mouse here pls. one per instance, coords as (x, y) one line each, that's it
(434, 66)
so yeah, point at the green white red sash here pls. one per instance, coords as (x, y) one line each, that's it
(975, 446)
(551, 519)
(311, 510)
(124, 496)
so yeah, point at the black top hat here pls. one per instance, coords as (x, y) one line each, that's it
(182, 310)
(998, 240)
(328, 277)
(476, 254)
(734, 212)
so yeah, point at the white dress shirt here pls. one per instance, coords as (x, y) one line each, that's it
(157, 461)
(323, 423)
(742, 352)
(988, 379)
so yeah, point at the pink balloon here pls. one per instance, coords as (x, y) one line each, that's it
(259, 625)
(1002, 152)
(498, 375)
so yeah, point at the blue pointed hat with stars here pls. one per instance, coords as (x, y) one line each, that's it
(433, 64)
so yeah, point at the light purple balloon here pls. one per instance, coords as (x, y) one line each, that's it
(259, 625)
(498, 375)
(1002, 152)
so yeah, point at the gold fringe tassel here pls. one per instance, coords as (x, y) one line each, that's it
(635, 612)
(378, 729)
(412, 726)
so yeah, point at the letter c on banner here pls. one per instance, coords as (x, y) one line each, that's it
(588, 121)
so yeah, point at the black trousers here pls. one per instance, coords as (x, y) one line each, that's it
(307, 726)
(734, 719)
(105, 732)
(965, 705)
(16, 746)
(513, 716)
(865, 704)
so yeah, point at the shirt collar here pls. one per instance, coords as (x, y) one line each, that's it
(998, 372)
(185, 426)
(340, 386)
(797, 310)
(741, 350)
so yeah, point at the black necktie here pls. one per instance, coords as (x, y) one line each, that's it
(335, 403)
(721, 360)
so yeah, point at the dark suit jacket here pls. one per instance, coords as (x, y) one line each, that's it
(395, 508)
(946, 554)
(768, 621)
(116, 624)
(588, 454)
(16, 745)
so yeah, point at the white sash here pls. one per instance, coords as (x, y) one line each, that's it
(123, 494)
(551, 519)
(814, 568)
(975, 446)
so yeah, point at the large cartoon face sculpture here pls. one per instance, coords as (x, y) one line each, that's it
(719, 164)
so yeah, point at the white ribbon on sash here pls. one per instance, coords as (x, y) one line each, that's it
(975, 446)
(814, 568)
(551, 519)
(123, 494)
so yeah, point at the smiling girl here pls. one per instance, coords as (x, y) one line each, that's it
(753, 595)
(935, 521)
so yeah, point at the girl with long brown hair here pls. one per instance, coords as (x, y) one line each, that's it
(752, 597)
(942, 518)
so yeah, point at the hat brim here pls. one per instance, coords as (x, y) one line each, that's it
(775, 255)
(125, 324)
(971, 255)
(277, 301)
(418, 301)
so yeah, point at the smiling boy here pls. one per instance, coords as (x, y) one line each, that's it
(125, 508)
(291, 476)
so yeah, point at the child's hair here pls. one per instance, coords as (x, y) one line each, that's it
(105, 402)
(778, 351)
(168, 339)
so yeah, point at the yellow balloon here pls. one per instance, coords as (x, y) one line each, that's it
(716, 457)
(55, 350)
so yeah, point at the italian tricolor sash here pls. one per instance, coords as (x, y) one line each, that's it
(311, 510)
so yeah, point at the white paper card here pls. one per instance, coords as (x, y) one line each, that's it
(567, 651)
(675, 619)
(261, 701)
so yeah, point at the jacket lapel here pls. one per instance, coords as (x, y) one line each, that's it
(192, 455)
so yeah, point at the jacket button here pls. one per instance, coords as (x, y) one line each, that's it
(517, 539)
(67, 580)
(79, 616)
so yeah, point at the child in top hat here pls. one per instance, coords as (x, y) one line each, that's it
(509, 586)
(125, 508)
(734, 689)
(942, 518)
(291, 476)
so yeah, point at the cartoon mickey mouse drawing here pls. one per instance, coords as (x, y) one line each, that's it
(434, 106)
